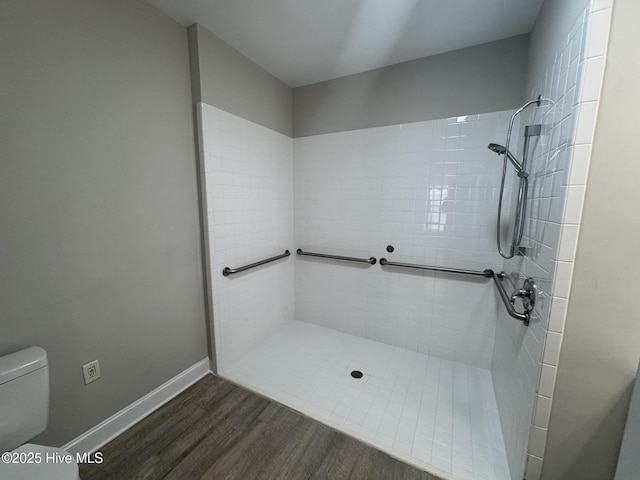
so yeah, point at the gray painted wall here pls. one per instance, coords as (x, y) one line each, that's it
(554, 20)
(99, 237)
(628, 467)
(601, 345)
(484, 78)
(230, 81)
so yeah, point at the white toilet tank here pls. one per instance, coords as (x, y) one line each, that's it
(24, 396)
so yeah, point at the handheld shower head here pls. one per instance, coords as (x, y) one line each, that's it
(501, 150)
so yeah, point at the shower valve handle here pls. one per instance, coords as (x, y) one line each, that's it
(527, 293)
(520, 293)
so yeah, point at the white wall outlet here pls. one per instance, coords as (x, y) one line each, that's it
(91, 372)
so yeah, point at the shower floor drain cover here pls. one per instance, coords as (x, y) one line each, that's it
(356, 374)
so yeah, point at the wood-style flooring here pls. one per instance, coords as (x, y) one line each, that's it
(217, 430)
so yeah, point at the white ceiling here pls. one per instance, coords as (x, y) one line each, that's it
(308, 41)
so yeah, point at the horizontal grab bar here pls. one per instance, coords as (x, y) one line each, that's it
(370, 260)
(523, 317)
(487, 273)
(226, 271)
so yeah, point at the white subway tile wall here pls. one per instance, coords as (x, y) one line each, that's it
(430, 189)
(248, 195)
(558, 177)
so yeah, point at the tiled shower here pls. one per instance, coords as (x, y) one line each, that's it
(427, 189)
(450, 382)
(525, 360)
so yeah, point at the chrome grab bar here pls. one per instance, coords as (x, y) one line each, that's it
(226, 271)
(509, 302)
(486, 273)
(370, 260)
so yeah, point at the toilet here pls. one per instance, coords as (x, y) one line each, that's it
(24, 413)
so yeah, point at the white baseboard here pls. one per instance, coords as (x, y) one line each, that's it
(104, 432)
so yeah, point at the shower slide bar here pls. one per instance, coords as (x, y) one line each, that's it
(226, 271)
(527, 293)
(370, 260)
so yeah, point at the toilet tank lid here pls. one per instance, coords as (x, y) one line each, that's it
(20, 363)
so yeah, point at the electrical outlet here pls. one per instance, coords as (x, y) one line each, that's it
(91, 372)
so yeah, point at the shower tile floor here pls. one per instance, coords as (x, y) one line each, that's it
(436, 414)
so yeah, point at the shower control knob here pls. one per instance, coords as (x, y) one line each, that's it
(529, 301)
(527, 293)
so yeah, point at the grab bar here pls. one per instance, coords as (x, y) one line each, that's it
(370, 260)
(226, 271)
(487, 273)
(523, 317)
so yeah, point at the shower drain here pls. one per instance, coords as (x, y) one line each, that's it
(356, 374)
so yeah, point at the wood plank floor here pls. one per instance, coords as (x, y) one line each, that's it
(217, 430)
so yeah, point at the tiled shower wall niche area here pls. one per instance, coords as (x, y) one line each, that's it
(430, 189)
(248, 194)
